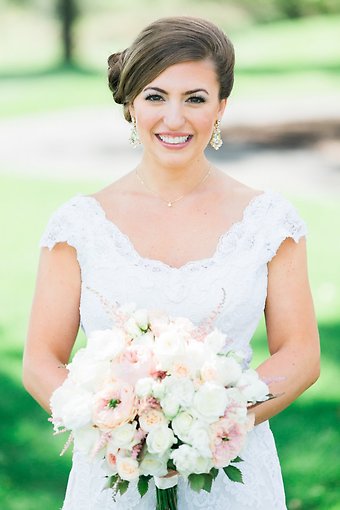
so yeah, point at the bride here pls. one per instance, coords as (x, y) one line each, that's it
(178, 234)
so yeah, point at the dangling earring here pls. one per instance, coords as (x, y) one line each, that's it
(216, 140)
(134, 138)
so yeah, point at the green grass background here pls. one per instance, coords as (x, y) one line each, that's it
(273, 63)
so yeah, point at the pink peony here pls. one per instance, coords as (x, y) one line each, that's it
(114, 406)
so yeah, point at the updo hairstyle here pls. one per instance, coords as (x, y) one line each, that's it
(166, 42)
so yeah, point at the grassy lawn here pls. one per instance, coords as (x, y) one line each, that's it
(33, 477)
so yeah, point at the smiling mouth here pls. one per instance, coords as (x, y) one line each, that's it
(174, 140)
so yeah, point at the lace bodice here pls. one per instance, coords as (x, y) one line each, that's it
(228, 289)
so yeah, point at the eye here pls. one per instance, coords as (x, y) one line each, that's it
(196, 99)
(153, 97)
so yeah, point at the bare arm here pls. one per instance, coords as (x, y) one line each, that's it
(292, 332)
(54, 322)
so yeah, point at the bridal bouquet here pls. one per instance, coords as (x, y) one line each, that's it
(156, 396)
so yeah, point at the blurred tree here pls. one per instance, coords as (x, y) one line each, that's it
(67, 11)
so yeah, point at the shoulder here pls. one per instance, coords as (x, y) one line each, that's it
(68, 222)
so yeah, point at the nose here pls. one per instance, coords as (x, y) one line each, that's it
(174, 116)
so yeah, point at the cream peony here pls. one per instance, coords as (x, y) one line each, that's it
(152, 418)
(85, 439)
(106, 344)
(88, 371)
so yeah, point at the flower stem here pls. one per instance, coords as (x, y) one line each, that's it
(166, 498)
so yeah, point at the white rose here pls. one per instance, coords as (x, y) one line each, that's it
(144, 387)
(182, 424)
(158, 389)
(152, 418)
(160, 439)
(72, 404)
(199, 438)
(85, 439)
(106, 344)
(210, 401)
(169, 406)
(154, 465)
(124, 436)
(141, 318)
(127, 468)
(145, 340)
(215, 341)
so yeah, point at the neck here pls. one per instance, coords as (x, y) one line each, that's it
(173, 180)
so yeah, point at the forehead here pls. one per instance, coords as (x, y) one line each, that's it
(188, 75)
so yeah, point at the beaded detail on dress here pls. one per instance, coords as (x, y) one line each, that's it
(233, 280)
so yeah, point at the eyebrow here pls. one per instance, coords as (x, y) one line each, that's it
(188, 92)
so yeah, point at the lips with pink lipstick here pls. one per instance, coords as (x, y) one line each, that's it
(174, 140)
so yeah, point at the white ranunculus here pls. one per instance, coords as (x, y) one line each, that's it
(215, 341)
(106, 344)
(85, 439)
(124, 436)
(200, 439)
(144, 387)
(170, 406)
(72, 404)
(210, 401)
(182, 424)
(142, 319)
(160, 439)
(154, 465)
(127, 468)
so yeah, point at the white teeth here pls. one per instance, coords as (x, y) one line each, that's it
(173, 139)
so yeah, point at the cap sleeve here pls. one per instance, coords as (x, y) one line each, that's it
(283, 221)
(64, 226)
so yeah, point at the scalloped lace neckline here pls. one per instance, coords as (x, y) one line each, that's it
(191, 264)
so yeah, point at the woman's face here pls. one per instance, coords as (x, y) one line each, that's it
(176, 112)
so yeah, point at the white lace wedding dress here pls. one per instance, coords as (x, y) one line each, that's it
(233, 281)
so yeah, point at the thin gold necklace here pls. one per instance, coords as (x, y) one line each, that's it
(171, 202)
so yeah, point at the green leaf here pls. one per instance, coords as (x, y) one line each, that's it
(208, 480)
(237, 459)
(196, 482)
(112, 480)
(123, 486)
(143, 485)
(171, 465)
(233, 473)
(214, 472)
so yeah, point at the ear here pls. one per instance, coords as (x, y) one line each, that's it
(221, 108)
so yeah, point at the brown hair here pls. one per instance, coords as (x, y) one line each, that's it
(166, 42)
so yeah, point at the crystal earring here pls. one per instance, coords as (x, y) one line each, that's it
(216, 140)
(134, 138)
